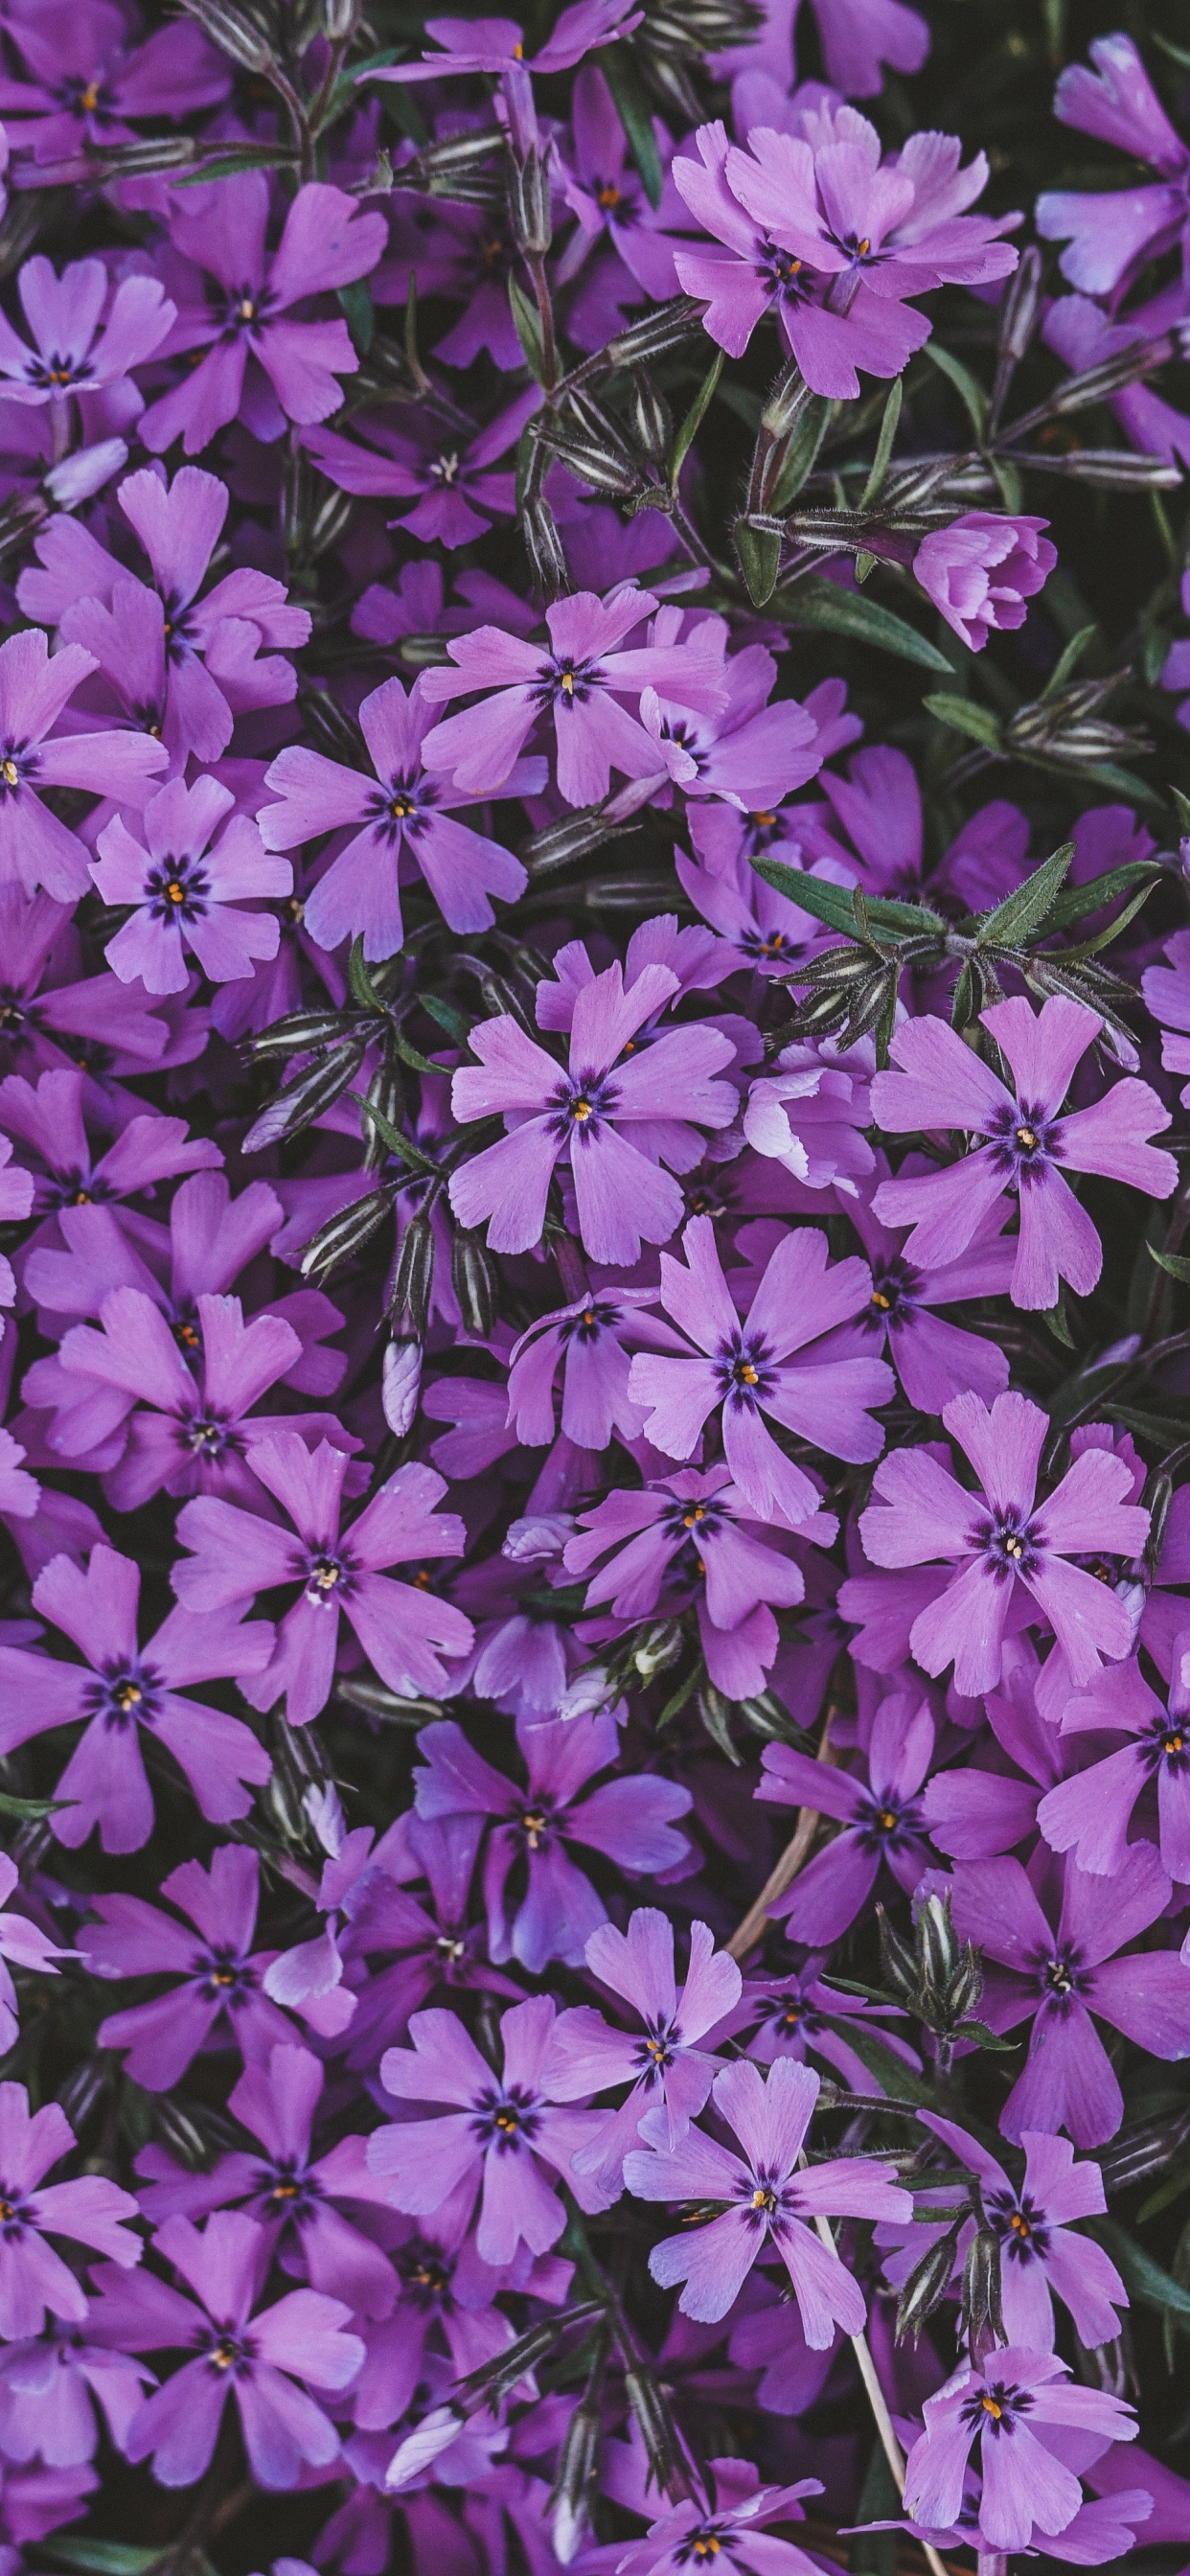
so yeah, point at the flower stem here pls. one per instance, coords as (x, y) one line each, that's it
(883, 2421)
(793, 1859)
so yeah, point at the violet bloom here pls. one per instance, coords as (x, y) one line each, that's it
(1041, 2256)
(691, 1535)
(215, 1998)
(933, 1359)
(748, 752)
(730, 2531)
(539, 1905)
(592, 1339)
(767, 1363)
(284, 2185)
(1110, 236)
(497, 44)
(35, 848)
(429, 1941)
(457, 495)
(404, 810)
(1008, 2404)
(577, 684)
(255, 2355)
(1002, 1536)
(664, 2066)
(91, 2211)
(186, 893)
(83, 81)
(1090, 1813)
(24, 1943)
(49, 1119)
(492, 2133)
(770, 2197)
(1167, 993)
(980, 571)
(1061, 1978)
(940, 1084)
(858, 37)
(614, 215)
(234, 302)
(93, 1022)
(404, 1628)
(123, 1687)
(76, 350)
(881, 1820)
(208, 654)
(17, 1192)
(51, 2387)
(807, 1114)
(786, 2016)
(622, 1194)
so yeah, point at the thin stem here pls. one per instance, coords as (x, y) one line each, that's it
(792, 1860)
(535, 263)
(885, 2428)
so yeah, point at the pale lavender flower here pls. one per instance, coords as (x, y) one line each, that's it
(1109, 236)
(1042, 2256)
(36, 849)
(83, 81)
(215, 1998)
(980, 571)
(881, 1820)
(86, 338)
(664, 2066)
(687, 1540)
(91, 2211)
(1009, 2404)
(24, 1943)
(727, 2528)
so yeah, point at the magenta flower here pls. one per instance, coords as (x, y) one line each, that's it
(87, 339)
(255, 2355)
(1042, 2257)
(690, 1536)
(789, 2015)
(186, 893)
(592, 1338)
(84, 81)
(539, 1905)
(1110, 236)
(881, 1820)
(933, 1358)
(766, 1363)
(769, 2198)
(664, 2066)
(729, 2532)
(1008, 2404)
(35, 847)
(404, 1628)
(457, 495)
(615, 217)
(748, 752)
(577, 684)
(940, 1084)
(1001, 1537)
(497, 44)
(1060, 1979)
(1090, 1813)
(215, 1997)
(234, 301)
(91, 2211)
(622, 1195)
(405, 810)
(123, 1687)
(980, 571)
(494, 2135)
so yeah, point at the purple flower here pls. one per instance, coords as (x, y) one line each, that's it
(1167, 992)
(621, 1193)
(497, 44)
(577, 685)
(1090, 1813)
(58, 1024)
(940, 1084)
(459, 494)
(49, 1119)
(980, 571)
(50, 2388)
(24, 1943)
(1111, 236)
(592, 1338)
(933, 1359)
(91, 2211)
(550, 1911)
(606, 193)
(881, 1820)
(234, 300)
(123, 1687)
(786, 2016)
(729, 2532)
(1041, 2256)
(196, 662)
(690, 1534)
(769, 2197)
(1061, 1978)
(404, 1628)
(215, 1996)
(86, 338)
(493, 2131)
(406, 810)
(35, 848)
(766, 1363)
(807, 1115)
(748, 752)
(1009, 2404)
(1002, 1537)
(256, 2355)
(85, 82)
(664, 2066)
(434, 1945)
(858, 37)
(185, 893)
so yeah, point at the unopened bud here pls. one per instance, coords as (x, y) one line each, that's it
(649, 417)
(84, 2089)
(654, 2423)
(180, 2129)
(79, 477)
(529, 208)
(543, 545)
(1021, 307)
(401, 1386)
(659, 1648)
(927, 2285)
(340, 19)
(937, 1943)
(898, 1962)
(346, 1234)
(235, 31)
(966, 1985)
(981, 2310)
(475, 1281)
(576, 2483)
(408, 1300)
(657, 333)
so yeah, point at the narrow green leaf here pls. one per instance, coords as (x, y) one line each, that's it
(1068, 660)
(230, 164)
(884, 444)
(412, 1056)
(345, 93)
(801, 455)
(400, 1145)
(1183, 808)
(1078, 901)
(632, 107)
(355, 304)
(1103, 938)
(1054, 1319)
(834, 905)
(1146, 2279)
(693, 421)
(1177, 53)
(970, 392)
(965, 715)
(454, 1023)
(527, 321)
(101, 2557)
(882, 2062)
(1175, 1262)
(32, 1810)
(979, 2032)
(1022, 912)
(360, 980)
(825, 606)
(759, 551)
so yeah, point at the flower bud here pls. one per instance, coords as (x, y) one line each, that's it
(79, 477)
(301, 1101)
(475, 1281)
(937, 1943)
(576, 2483)
(538, 1539)
(235, 31)
(655, 2424)
(84, 2089)
(529, 209)
(401, 1386)
(649, 417)
(543, 545)
(340, 19)
(659, 1648)
(898, 1963)
(927, 2285)
(656, 333)
(346, 1234)
(981, 2309)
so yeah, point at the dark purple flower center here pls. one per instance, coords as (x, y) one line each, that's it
(770, 947)
(1061, 1979)
(745, 1371)
(705, 2546)
(1008, 1542)
(1019, 2224)
(600, 1315)
(507, 2122)
(228, 2350)
(789, 280)
(400, 806)
(425, 2272)
(329, 1577)
(657, 2049)
(14, 2212)
(224, 1976)
(210, 1437)
(564, 683)
(74, 1189)
(996, 2408)
(767, 2201)
(19, 764)
(284, 2189)
(582, 1103)
(789, 2017)
(244, 312)
(688, 1526)
(1166, 1745)
(92, 98)
(888, 1823)
(1026, 1142)
(895, 1288)
(537, 1821)
(176, 890)
(124, 1695)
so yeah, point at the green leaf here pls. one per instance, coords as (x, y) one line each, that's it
(1054, 1319)
(1068, 660)
(1112, 929)
(884, 444)
(1145, 2279)
(264, 156)
(359, 978)
(1023, 911)
(801, 455)
(882, 2062)
(1177, 53)
(412, 1056)
(355, 304)
(1175, 1262)
(400, 1145)
(1078, 901)
(834, 904)
(345, 94)
(632, 108)
(693, 421)
(448, 1018)
(528, 329)
(759, 551)
(101, 2557)
(979, 2033)
(32, 1810)
(971, 393)
(965, 715)
(825, 606)
(1183, 805)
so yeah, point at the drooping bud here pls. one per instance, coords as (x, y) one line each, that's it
(543, 545)
(236, 31)
(401, 1386)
